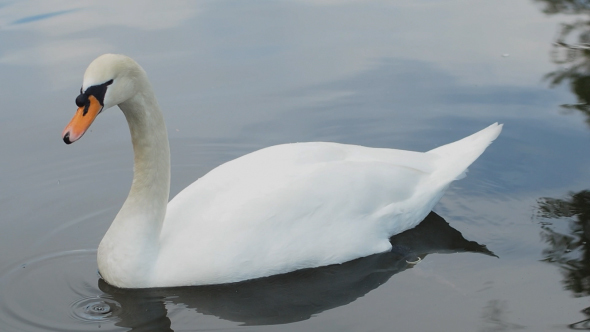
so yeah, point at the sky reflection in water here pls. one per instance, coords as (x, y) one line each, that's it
(233, 77)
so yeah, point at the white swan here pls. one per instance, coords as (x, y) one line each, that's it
(276, 210)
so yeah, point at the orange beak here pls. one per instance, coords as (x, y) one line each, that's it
(82, 120)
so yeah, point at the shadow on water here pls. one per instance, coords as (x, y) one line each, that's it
(294, 296)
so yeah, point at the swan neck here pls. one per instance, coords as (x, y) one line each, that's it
(151, 171)
(131, 245)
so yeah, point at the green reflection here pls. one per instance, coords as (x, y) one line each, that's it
(565, 6)
(571, 51)
(569, 249)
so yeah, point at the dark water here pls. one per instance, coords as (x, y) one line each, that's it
(235, 76)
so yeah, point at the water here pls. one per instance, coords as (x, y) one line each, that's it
(69, 286)
(233, 77)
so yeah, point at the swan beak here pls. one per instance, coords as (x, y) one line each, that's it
(82, 120)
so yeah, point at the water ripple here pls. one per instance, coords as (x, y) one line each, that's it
(56, 292)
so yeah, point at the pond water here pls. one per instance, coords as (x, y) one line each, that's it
(507, 249)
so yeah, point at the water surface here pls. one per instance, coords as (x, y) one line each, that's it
(233, 77)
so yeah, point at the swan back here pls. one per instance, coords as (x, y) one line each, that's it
(302, 205)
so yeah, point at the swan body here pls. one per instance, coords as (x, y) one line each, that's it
(273, 211)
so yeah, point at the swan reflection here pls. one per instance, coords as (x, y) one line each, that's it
(294, 296)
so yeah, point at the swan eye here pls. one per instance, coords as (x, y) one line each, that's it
(81, 100)
(98, 91)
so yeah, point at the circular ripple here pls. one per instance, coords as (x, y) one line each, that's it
(95, 309)
(57, 292)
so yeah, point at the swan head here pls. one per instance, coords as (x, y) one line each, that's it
(109, 80)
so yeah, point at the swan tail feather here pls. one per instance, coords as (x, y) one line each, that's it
(457, 156)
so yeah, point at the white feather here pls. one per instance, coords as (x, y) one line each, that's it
(276, 210)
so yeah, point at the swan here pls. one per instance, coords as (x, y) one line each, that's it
(273, 211)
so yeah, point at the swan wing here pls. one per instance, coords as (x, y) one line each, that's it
(292, 206)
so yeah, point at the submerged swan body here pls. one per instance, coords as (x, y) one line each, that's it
(276, 210)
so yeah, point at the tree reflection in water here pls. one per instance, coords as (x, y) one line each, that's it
(571, 51)
(571, 251)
